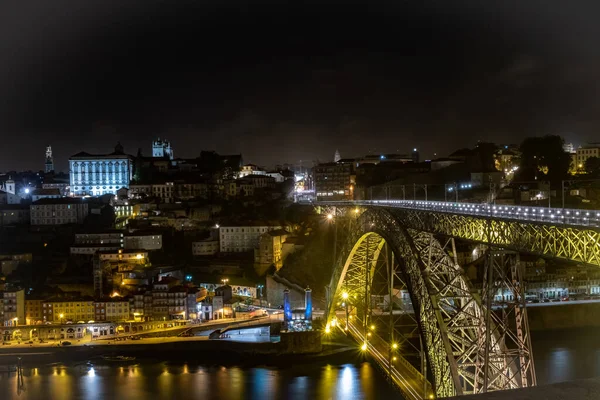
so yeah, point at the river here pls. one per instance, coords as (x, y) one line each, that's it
(559, 355)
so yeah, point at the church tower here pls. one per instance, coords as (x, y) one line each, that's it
(337, 156)
(9, 186)
(49, 165)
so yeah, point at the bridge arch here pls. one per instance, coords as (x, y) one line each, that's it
(379, 261)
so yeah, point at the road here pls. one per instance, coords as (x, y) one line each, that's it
(404, 375)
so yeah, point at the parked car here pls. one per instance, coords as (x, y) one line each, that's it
(66, 343)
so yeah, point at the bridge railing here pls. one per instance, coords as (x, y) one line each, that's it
(407, 377)
(560, 216)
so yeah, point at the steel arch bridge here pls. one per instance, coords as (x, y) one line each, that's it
(470, 344)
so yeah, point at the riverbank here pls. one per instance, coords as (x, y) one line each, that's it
(564, 316)
(221, 352)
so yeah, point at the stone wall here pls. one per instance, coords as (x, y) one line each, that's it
(300, 342)
(564, 316)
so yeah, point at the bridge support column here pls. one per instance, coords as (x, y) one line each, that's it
(507, 356)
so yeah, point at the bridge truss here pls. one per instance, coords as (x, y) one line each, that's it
(402, 292)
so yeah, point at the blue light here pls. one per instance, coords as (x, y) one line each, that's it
(188, 278)
(382, 157)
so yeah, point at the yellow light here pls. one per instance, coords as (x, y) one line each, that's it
(122, 283)
(372, 327)
(330, 216)
(327, 329)
(364, 346)
(431, 396)
(394, 358)
(356, 210)
(369, 334)
(139, 256)
(395, 346)
(61, 315)
(345, 295)
(350, 317)
(333, 322)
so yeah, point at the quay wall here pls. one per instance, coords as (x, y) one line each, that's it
(564, 316)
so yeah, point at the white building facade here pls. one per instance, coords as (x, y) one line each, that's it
(95, 175)
(236, 239)
(205, 247)
(58, 211)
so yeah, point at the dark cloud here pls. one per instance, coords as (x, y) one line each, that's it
(283, 82)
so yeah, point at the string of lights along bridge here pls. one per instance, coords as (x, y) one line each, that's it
(574, 217)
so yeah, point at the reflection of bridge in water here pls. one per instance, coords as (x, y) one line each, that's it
(453, 342)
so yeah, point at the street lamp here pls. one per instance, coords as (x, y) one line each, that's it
(224, 281)
(61, 317)
(330, 216)
(345, 297)
(260, 288)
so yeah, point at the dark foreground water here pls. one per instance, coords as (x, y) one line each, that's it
(184, 381)
(559, 356)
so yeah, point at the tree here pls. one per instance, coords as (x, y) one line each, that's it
(485, 152)
(592, 166)
(543, 158)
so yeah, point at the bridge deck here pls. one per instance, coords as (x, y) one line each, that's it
(563, 216)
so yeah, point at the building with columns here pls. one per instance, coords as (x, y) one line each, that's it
(95, 175)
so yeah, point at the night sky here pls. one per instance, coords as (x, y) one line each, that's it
(289, 82)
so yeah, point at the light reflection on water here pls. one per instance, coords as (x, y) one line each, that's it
(559, 356)
(183, 381)
(566, 355)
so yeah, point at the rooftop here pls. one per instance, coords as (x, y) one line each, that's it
(278, 232)
(62, 200)
(45, 192)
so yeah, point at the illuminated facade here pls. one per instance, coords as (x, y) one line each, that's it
(95, 175)
(49, 165)
(588, 151)
(162, 148)
(68, 310)
(335, 181)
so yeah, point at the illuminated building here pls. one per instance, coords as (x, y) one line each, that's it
(162, 148)
(58, 211)
(241, 238)
(205, 247)
(95, 175)
(13, 308)
(49, 165)
(251, 169)
(113, 309)
(269, 251)
(74, 310)
(33, 312)
(335, 181)
(588, 151)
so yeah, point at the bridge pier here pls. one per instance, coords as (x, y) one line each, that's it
(508, 358)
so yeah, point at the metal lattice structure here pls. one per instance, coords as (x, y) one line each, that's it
(467, 349)
(576, 238)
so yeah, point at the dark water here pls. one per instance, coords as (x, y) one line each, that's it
(184, 381)
(566, 355)
(559, 356)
